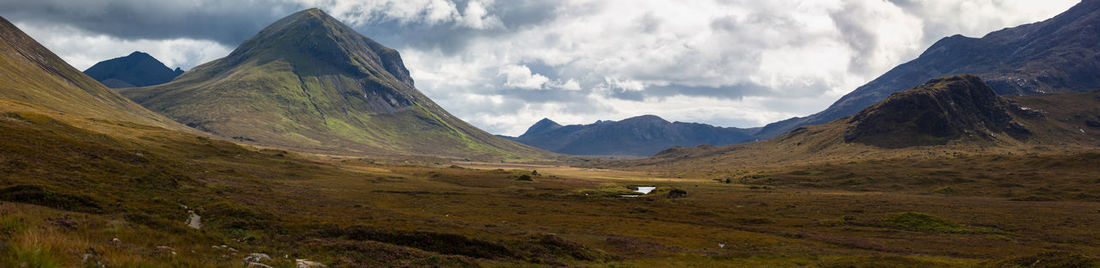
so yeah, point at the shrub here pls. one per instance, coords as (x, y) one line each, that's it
(42, 196)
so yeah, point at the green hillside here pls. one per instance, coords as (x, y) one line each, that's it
(34, 76)
(310, 82)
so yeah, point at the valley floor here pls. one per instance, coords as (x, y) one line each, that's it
(358, 212)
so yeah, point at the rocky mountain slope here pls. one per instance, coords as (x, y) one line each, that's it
(135, 70)
(1056, 55)
(310, 82)
(636, 136)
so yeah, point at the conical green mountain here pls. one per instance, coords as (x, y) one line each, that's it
(310, 82)
(33, 77)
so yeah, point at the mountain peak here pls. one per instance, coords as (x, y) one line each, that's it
(646, 119)
(541, 126)
(135, 70)
(316, 43)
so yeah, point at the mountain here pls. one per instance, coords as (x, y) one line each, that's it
(636, 136)
(954, 114)
(1057, 55)
(35, 78)
(935, 113)
(310, 82)
(136, 70)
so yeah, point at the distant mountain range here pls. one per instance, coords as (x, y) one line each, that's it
(135, 70)
(636, 136)
(310, 82)
(1057, 55)
(949, 114)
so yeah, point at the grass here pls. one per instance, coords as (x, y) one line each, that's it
(926, 223)
(33, 249)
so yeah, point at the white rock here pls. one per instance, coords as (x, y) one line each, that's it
(304, 263)
(260, 265)
(257, 257)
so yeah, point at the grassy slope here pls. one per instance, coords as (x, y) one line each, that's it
(34, 75)
(333, 95)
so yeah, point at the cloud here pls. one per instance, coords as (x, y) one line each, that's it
(519, 76)
(502, 65)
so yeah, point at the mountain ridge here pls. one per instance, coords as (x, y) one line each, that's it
(636, 136)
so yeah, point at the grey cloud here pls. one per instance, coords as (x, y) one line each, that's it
(227, 22)
(732, 92)
(514, 15)
(231, 22)
(857, 37)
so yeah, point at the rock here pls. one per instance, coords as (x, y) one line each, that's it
(194, 220)
(257, 257)
(1091, 123)
(677, 193)
(304, 263)
(259, 265)
(91, 259)
(64, 223)
(166, 250)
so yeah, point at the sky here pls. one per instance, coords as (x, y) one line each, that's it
(502, 65)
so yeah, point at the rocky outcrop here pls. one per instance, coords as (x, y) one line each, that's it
(939, 111)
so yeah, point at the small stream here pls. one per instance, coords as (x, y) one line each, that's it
(642, 190)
